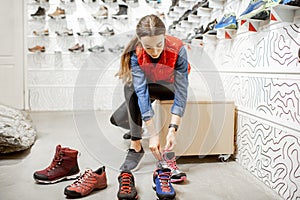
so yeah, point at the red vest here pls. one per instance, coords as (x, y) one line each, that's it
(163, 70)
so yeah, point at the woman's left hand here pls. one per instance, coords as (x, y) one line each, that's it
(170, 140)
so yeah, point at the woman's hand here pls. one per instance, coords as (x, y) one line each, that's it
(170, 140)
(154, 146)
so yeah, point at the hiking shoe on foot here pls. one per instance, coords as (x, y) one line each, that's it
(162, 184)
(132, 160)
(127, 190)
(169, 161)
(86, 183)
(63, 166)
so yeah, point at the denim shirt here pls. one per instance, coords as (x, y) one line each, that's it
(181, 83)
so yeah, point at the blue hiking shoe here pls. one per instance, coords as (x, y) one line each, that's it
(253, 8)
(162, 184)
(228, 22)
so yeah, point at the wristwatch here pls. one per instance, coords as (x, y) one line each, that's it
(175, 126)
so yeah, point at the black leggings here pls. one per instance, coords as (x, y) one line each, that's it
(128, 115)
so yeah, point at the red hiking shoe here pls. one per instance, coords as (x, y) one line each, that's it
(63, 166)
(86, 183)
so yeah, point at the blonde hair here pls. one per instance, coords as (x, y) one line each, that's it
(149, 25)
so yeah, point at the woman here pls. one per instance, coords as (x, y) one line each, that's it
(153, 66)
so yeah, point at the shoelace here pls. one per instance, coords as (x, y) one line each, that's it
(125, 183)
(164, 178)
(82, 179)
(56, 161)
(172, 164)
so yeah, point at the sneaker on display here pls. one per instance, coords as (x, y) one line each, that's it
(59, 13)
(77, 48)
(41, 33)
(127, 190)
(63, 166)
(263, 15)
(291, 2)
(122, 13)
(107, 32)
(116, 49)
(102, 13)
(253, 8)
(132, 160)
(87, 32)
(37, 49)
(210, 28)
(169, 161)
(97, 48)
(89, 181)
(40, 13)
(65, 32)
(162, 184)
(228, 21)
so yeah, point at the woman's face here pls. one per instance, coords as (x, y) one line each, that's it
(153, 45)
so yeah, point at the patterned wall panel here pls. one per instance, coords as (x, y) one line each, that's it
(271, 154)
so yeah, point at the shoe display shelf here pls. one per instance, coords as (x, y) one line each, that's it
(216, 4)
(226, 33)
(204, 12)
(285, 13)
(185, 4)
(194, 18)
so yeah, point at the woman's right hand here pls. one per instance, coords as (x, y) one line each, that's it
(154, 146)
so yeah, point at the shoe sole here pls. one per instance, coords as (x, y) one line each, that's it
(72, 177)
(57, 17)
(73, 194)
(179, 180)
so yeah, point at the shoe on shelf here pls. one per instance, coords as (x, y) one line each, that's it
(102, 13)
(291, 2)
(272, 3)
(66, 1)
(37, 48)
(210, 28)
(40, 13)
(253, 8)
(63, 166)
(169, 161)
(162, 184)
(122, 13)
(41, 33)
(132, 160)
(228, 21)
(107, 32)
(65, 32)
(127, 190)
(77, 48)
(89, 181)
(41, 1)
(116, 49)
(97, 48)
(58, 13)
(263, 15)
(87, 32)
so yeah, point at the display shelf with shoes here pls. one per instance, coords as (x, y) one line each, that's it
(64, 32)
(86, 32)
(194, 18)
(122, 12)
(185, 4)
(107, 31)
(284, 13)
(226, 33)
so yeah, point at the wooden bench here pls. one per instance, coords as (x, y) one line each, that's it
(206, 128)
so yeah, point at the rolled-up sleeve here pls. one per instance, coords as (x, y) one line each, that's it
(141, 89)
(181, 83)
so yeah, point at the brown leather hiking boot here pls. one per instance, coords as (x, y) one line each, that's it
(63, 166)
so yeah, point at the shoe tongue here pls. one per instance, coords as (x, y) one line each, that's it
(169, 155)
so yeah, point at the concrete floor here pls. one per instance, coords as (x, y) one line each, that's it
(101, 144)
